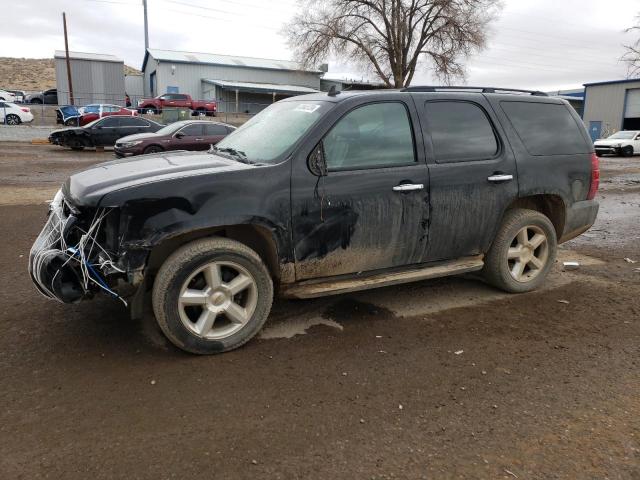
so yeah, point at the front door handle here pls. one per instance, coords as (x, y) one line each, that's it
(499, 177)
(408, 187)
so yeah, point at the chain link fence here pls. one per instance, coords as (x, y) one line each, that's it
(44, 109)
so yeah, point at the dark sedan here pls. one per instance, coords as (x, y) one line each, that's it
(103, 132)
(185, 135)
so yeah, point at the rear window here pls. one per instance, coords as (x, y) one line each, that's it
(546, 128)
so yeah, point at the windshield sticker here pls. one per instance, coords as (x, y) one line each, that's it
(307, 107)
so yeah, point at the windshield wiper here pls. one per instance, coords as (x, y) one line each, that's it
(237, 154)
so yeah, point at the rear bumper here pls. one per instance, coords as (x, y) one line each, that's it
(579, 218)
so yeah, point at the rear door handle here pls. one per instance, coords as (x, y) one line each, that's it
(408, 187)
(499, 177)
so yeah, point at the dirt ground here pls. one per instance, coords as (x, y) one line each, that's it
(438, 379)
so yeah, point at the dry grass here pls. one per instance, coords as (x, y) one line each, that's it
(33, 74)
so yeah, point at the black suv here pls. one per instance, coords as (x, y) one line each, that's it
(323, 194)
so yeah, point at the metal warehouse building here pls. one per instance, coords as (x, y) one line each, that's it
(96, 78)
(238, 84)
(611, 106)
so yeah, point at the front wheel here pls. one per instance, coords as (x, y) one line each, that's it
(212, 296)
(627, 151)
(522, 253)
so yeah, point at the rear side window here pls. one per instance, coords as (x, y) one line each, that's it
(460, 131)
(546, 128)
(110, 122)
(132, 122)
(215, 129)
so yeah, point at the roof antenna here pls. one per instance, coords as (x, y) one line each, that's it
(332, 91)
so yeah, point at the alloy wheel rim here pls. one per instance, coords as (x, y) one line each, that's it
(528, 254)
(217, 300)
(11, 120)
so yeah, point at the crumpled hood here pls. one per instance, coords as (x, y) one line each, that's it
(89, 186)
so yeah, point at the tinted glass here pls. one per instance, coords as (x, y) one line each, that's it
(111, 108)
(92, 109)
(132, 122)
(179, 97)
(377, 135)
(546, 128)
(192, 130)
(460, 131)
(1, 104)
(109, 122)
(215, 129)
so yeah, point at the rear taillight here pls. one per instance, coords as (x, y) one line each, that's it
(595, 177)
(25, 109)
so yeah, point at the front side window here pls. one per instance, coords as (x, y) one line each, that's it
(375, 135)
(460, 131)
(192, 130)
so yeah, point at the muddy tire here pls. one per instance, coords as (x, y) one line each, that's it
(212, 296)
(627, 151)
(522, 253)
(77, 144)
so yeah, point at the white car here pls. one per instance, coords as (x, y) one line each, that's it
(7, 96)
(625, 143)
(13, 114)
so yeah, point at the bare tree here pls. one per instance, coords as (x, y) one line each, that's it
(393, 36)
(632, 54)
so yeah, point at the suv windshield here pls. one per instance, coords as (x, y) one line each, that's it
(623, 135)
(273, 131)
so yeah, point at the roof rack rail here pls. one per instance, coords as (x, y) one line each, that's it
(473, 89)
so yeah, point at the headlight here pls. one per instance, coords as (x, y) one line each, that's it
(129, 144)
(56, 203)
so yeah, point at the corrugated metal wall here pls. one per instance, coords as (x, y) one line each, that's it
(188, 77)
(605, 103)
(93, 81)
(134, 86)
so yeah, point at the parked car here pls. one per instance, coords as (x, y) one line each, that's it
(177, 100)
(185, 135)
(7, 96)
(49, 97)
(323, 194)
(12, 114)
(92, 112)
(19, 94)
(625, 143)
(102, 132)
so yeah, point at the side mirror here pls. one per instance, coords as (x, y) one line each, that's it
(316, 161)
(179, 135)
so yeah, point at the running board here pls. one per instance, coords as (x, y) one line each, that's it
(320, 288)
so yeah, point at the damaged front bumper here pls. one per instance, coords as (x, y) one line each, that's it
(68, 261)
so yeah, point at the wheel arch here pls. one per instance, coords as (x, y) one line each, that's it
(257, 237)
(550, 205)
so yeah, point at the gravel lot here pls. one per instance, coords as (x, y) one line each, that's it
(439, 379)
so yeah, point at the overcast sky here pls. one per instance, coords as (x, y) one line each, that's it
(542, 44)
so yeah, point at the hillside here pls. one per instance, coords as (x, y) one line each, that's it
(33, 74)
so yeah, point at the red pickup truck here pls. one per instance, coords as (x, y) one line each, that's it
(176, 100)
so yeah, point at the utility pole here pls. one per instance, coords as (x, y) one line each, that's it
(66, 49)
(146, 27)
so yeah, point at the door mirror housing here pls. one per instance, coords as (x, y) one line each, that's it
(179, 135)
(316, 161)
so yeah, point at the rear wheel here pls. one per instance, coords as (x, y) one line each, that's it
(153, 149)
(77, 144)
(212, 295)
(522, 253)
(627, 151)
(12, 119)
